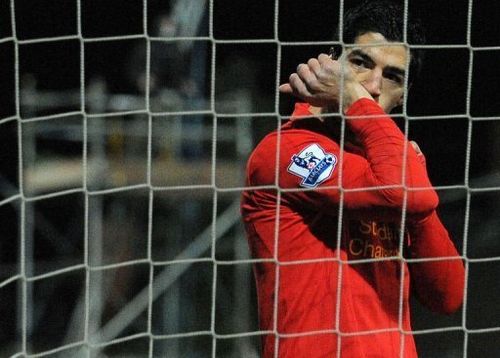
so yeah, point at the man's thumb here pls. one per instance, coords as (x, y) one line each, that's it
(285, 88)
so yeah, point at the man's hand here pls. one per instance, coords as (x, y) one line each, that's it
(318, 83)
(420, 155)
(415, 220)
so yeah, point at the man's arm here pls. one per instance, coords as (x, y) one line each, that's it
(439, 285)
(400, 178)
(374, 181)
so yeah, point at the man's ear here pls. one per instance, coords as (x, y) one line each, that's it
(401, 100)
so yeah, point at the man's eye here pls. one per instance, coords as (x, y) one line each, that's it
(394, 78)
(358, 62)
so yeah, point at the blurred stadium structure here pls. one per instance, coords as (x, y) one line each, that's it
(123, 209)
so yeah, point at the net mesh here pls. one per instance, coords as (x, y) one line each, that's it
(164, 275)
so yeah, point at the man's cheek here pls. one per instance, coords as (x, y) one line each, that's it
(388, 105)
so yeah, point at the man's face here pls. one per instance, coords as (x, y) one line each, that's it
(380, 68)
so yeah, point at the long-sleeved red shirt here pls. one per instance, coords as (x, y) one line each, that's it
(333, 281)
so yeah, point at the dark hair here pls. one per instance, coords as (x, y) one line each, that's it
(386, 18)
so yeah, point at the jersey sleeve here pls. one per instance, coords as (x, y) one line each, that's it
(438, 284)
(387, 166)
(313, 172)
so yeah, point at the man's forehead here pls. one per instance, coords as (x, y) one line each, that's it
(378, 48)
(370, 38)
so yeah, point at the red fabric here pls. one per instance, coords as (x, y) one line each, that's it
(369, 297)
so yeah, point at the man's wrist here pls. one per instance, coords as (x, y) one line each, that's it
(353, 92)
(363, 107)
(417, 220)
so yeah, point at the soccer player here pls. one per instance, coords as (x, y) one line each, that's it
(340, 284)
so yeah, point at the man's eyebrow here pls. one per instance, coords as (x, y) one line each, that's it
(363, 55)
(395, 70)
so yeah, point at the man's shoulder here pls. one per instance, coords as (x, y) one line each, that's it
(296, 146)
(290, 139)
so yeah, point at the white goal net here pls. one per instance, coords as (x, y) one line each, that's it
(125, 129)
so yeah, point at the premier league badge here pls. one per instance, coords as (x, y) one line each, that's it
(313, 165)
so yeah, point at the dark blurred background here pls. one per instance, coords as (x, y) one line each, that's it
(78, 124)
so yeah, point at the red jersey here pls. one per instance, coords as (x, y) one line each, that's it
(331, 279)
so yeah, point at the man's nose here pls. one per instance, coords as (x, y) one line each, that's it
(373, 82)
